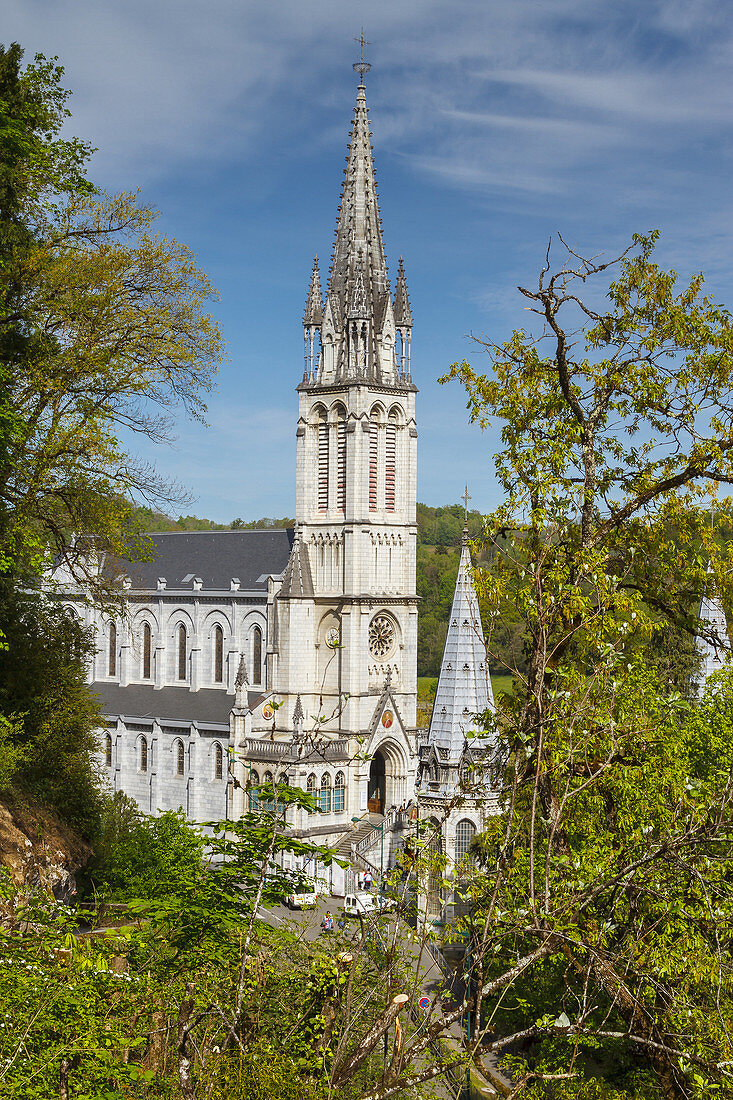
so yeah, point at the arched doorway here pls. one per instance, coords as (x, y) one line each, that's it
(377, 784)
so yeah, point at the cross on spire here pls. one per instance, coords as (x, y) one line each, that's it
(465, 498)
(361, 66)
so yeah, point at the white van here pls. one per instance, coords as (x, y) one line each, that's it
(359, 905)
(306, 899)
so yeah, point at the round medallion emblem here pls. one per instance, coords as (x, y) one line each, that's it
(268, 710)
(332, 637)
(387, 718)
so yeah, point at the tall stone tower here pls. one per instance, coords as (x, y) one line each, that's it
(343, 631)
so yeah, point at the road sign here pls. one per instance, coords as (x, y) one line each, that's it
(424, 1003)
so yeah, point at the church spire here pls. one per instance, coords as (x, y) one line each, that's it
(359, 228)
(464, 687)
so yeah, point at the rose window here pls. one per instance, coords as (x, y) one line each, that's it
(381, 636)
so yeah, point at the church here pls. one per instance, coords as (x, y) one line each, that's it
(243, 657)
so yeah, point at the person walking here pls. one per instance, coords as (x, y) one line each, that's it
(368, 881)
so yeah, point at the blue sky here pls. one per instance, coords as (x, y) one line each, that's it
(495, 125)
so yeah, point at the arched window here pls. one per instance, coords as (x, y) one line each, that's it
(464, 834)
(267, 778)
(218, 655)
(254, 794)
(143, 755)
(108, 750)
(181, 652)
(180, 758)
(324, 800)
(339, 792)
(341, 458)
(112, 652)
(310, 784)
(147, 651)
(390, 463)
(256, 655)
(322, 429)
(218, 761)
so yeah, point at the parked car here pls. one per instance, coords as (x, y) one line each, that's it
(359, 905)
(304, 899)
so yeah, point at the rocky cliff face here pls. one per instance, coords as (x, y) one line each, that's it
(38, 850)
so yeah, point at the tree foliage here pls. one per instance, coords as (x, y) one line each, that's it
(103, 327)
(601, 915)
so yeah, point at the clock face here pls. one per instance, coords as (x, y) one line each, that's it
(332, 637)
(381, 636)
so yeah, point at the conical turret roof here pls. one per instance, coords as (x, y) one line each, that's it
(464, 687)
(297, 578)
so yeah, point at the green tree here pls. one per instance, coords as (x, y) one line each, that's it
(103, 327)
(49, 716)
(601, 915)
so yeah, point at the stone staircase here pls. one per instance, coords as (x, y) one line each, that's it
(363, 838)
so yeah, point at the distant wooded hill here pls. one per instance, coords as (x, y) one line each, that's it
(439, 541)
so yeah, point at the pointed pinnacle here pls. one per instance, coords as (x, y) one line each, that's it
(313, 314)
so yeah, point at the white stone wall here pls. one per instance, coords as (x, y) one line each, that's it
(237, 615)
(152, 778)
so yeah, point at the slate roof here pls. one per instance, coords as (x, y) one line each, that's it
(215, 556)
(172, 704)
(464, 687)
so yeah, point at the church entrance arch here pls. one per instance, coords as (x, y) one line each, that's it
(377, 784)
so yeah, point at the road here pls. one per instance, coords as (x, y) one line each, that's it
(308, 923)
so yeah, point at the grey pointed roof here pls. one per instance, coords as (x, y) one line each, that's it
(402, 311)
(713, 621)
(359, 229)
(313, 314)
(297, 578)
(464, 686)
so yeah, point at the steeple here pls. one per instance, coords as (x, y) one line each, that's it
(356, 323)
(464, 687)
(359, 227)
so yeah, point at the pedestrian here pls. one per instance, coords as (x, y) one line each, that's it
(368, 880)
(327, 922)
